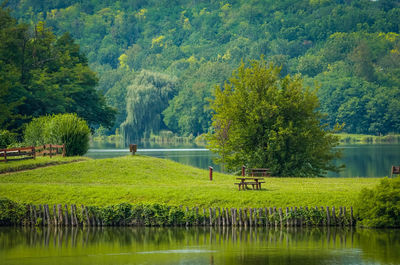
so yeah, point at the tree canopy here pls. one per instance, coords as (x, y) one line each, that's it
(147, 97)
(263, 120)
(350, 47)
(42, 74)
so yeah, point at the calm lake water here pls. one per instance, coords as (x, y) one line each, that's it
(203, 245)
(361, 160)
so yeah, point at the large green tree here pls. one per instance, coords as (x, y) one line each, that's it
(261, 119)
(146, 99)
(41, 74)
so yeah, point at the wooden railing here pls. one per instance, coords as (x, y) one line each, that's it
(50, 150)
(31, 152)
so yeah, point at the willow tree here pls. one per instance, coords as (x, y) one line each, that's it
(263, 120)
(147, 97)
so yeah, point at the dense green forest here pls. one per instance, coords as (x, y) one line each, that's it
(175, 52)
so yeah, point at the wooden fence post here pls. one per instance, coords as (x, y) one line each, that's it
(186, 216)
(287, 216)
(75, 215)
(280, 216)
(60, 215)
(351, 215)
(211, 217)
(227, 218)
(66, 215)
(250, 216)
(240, 217)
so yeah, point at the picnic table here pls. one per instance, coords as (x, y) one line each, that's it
(260, 172)
(255, 182)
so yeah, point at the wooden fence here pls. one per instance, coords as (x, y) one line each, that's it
(31, 152)
(72, 215)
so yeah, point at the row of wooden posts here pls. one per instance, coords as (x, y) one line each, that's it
(61, 215)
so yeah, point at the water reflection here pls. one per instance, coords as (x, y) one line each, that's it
(361, 160)
(201, 245)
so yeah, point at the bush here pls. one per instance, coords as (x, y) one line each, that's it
(35, 133)
(380, 207)
(7, 138)
(11, 213)
(66, 129)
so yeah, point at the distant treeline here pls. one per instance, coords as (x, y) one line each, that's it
(158, 61)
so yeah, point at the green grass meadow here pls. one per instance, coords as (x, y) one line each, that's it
(142, 179)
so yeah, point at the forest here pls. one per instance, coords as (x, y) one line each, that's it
(158, 62)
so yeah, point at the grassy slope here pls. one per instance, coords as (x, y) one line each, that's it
(145, 179)
(12, 166)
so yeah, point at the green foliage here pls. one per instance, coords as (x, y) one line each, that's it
(311, 217)
(264, 121)
(380, 206)
(147, 97)
(196, 40)
(11, 213)
(145, 214)
(36, 132)
(66, 129)
(41, 74)
(7, 138)
(358, 81)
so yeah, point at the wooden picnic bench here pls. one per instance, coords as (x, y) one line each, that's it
(255, 182)
(260, 172)
(395, 170)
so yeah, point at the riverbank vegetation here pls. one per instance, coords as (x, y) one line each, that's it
(140, 179)
(346, 138)
(380, 206)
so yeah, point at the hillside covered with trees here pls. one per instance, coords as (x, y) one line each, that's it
(158, 61)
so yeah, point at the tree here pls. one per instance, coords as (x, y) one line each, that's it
(146, 99)
(41, 74)
(263, 120)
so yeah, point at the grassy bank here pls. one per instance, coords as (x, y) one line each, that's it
(13, 166)
(368, 139)
(150, 180)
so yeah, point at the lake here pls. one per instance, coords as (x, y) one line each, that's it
(361, 160)
(198, 245)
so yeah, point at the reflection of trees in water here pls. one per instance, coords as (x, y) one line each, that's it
(292, 243)
(368, 160)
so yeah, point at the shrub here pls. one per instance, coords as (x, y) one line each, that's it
(66, 129)
(35, 132)
(380, 206)
(11, 213)
(7, 138)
